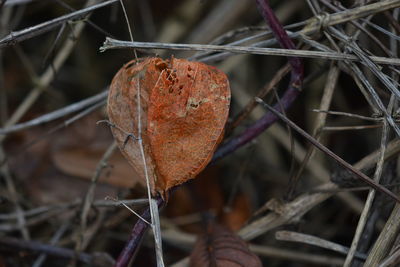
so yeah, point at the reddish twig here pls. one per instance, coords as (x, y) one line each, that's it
(136, 236)
(252, 132)
(296, 80)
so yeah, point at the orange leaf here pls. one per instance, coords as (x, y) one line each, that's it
(183, 109)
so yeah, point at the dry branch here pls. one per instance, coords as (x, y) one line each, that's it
(117, 44)
(21, 35)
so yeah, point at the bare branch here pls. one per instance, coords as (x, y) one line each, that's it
(118, 44)
(55, 114)
(315, 241)
(27, 33)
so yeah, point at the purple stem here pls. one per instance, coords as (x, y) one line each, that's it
(296, 80)
(283, 39)
(249, 134)
(136, 236)
(257, 128)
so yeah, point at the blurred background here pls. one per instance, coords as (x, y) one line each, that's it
(46, 170)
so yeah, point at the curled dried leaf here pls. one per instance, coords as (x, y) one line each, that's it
(222, 248)
(183, 107)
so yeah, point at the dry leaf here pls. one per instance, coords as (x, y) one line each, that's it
(82, 162)
(74, 159)
(222, 248)
(51, 170)
(183, 109)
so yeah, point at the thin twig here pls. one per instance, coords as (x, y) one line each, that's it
(87, 203)
(370, 198)
(366, 60)
(130, 209)
(361, 28)
(261, 94)
(351, 115)
(315, 241)
(12, 190)
(58, 234)
(135, 237)
(34, 246)
(350, 128)
(96, 203)
(296, 256)
(155, 225)
(48, 75)
(88, 21)
(54, 115)
(110, 43)
(385, 240)
(17, 2)
(324, 149)
(18, 36)
(93, 228)
(378, 102)
(326, 100)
